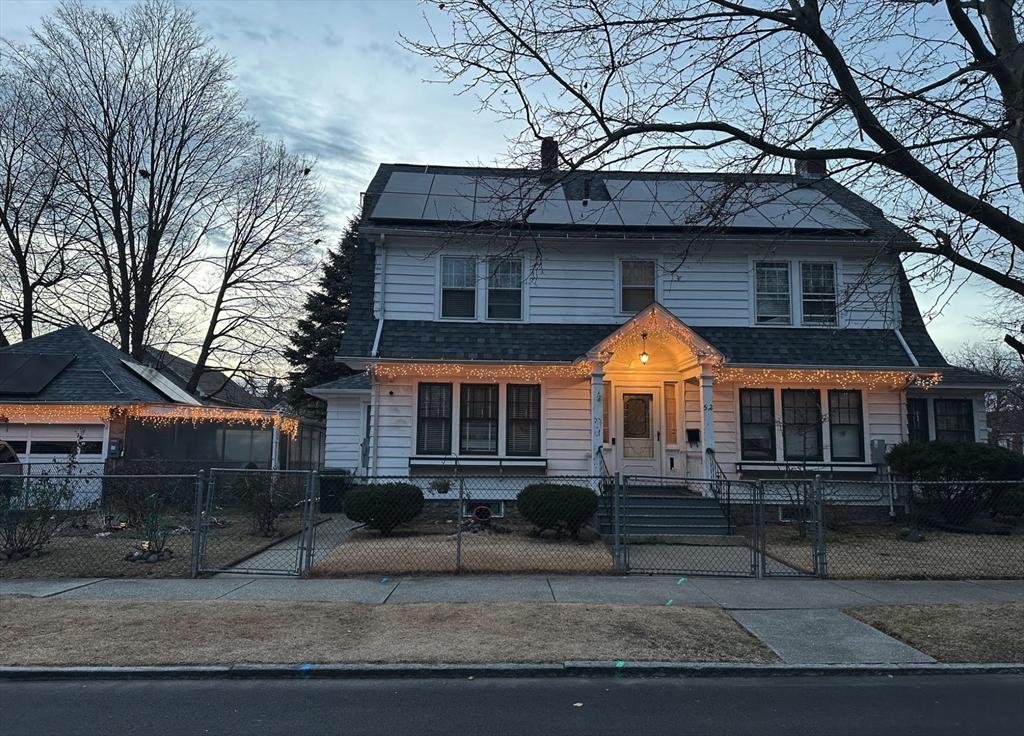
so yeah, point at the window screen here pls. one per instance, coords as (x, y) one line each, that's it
(434, 419)
(846, 425)
(523, 419)
(801, 424)
(478, 422)
(818, 293)
(637, 285)
(772, 296)
(505, 288)
(757, 424)
(458, 287)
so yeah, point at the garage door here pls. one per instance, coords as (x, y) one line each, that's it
(44, 448)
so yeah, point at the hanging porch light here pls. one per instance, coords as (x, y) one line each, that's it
(644, 356)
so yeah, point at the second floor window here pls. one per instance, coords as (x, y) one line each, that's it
(818, 293)
(478, 419)
(801, 424)
(458, 287)
(772, 294)
(638, 290)
(505, 288)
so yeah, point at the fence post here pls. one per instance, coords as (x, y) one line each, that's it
(617, 541)
(197, 523)
(820, 558)
(759, 530)
(458, 525)
(308, 530)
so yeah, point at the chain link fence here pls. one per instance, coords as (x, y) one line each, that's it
(336, 524)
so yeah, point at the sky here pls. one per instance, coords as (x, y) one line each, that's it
(329, 78)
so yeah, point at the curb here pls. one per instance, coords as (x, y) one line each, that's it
(504, 670)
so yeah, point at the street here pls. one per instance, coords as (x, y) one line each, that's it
(835, 705)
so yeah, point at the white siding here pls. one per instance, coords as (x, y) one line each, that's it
(566, 411)
(886, 417)
(727, 427)
(579, 283)
(344, 432)
(395, 414)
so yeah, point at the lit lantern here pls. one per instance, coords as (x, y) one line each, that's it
(644, 356)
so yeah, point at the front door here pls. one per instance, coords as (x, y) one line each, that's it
(639, 432)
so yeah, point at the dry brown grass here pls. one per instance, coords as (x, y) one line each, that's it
(878, 552)
(370, 553)
(86, 555)
(65, 632)
(954, 633)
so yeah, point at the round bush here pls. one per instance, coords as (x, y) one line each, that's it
(950, 473)
(383, 506)
(562, 508)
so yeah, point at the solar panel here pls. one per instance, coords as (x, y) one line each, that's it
(594, 213)
(161, 383)
(408, 182)
(400, 206)
(628, 190)
(27, 374)
(454, 185)
(642, 214)
(448, 209)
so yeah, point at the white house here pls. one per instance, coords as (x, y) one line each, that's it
(652, 324)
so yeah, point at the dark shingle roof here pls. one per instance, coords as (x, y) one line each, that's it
(96, 375)
(214, 386)
(358, 382)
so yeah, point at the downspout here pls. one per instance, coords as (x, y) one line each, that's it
(375, 410)
(906, 347)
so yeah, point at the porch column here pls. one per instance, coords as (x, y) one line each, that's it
(707, 433)
(597, 418)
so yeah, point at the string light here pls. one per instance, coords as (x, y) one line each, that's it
(155, 415)
(512, 371)
(848, 378)
(658, 324)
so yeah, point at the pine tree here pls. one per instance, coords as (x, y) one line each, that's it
(317, 338)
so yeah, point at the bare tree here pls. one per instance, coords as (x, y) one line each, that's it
(1005, 407)
(32, 187)
(919, 103)
(154, 132)
(271, 220)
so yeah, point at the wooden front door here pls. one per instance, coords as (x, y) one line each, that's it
(639, 447)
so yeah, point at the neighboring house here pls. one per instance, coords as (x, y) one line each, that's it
(653, 324)
(70, 386)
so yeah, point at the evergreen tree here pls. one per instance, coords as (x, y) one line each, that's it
(317, 338)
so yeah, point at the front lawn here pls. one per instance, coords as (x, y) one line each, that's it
(954, 633)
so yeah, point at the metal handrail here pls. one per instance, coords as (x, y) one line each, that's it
(720, 478)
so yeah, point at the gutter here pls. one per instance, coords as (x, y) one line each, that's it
(905, 346)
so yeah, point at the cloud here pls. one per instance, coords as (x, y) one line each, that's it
(332, 39)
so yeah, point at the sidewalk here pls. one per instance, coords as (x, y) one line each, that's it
(802, 621)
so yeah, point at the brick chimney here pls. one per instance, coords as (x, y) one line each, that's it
(811, 167)
(549, 155)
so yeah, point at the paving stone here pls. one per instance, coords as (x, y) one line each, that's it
(157, 590)
(926, 592)
(42, 588)
(773, 594)
(638, 589)
(354, 590)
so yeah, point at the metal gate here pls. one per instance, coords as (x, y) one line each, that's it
(256, 521)
(719, 527)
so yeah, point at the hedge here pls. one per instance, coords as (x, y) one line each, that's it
(383, 506)
(562, 508)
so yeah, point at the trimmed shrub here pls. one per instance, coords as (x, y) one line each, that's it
(383, 506)
(950, 473)
(561, 508)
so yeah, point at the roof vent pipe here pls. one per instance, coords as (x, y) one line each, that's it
(549, 154)
(811, 167)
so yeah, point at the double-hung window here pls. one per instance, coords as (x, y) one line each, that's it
(458, 287)
(478, 419)
(434, 419)
(917, 420)
(757, 424)
(772, 293)
(638, 285)
(846, 425)
(954, 420)
(522, 423)
(801, 424)
(504, 288)
(818, 293)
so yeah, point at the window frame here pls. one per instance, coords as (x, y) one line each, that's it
(756, 314)
(474, 288)
(923, 412)
(496, 419)
(773, 453)
(420, 435)
(969, 430)
(498, 260)
(671, 406)
(802, 297)
(621, 286)
(861, 452)
(786, 456)
(509, 419)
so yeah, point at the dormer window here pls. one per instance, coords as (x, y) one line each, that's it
(504, 288)
(458, 287)
(638, 285)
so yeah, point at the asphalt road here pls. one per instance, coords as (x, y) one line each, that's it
(835, 705)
